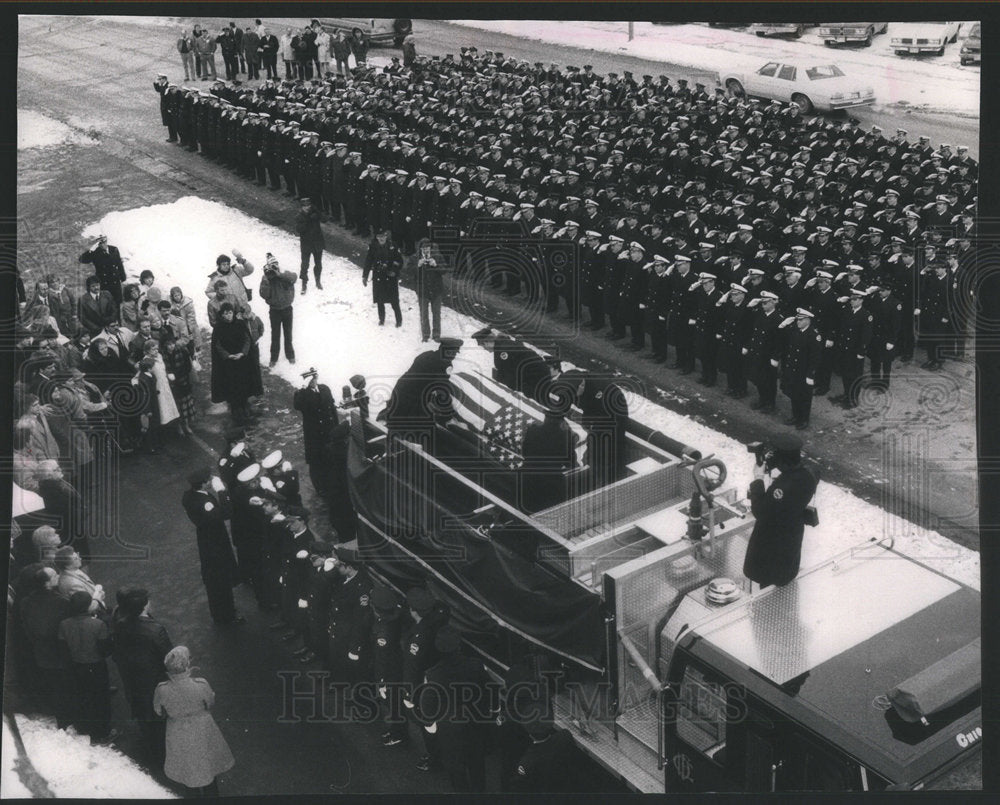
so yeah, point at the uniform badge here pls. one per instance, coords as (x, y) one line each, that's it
(899, 307)
(503, 356)
(869, 318)
(778, 494)
(209, 506)
(364, 600)
(521, 771)
(414, 649)
(382, 642)
(599, 395)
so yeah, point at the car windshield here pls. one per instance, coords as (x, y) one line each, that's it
(823, 71)
(975, 30)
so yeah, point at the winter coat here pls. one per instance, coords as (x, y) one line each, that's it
(140, 644)
(236, 290)
(278, 289)
(178, 364)
(232, 380)
(384, 263)
(307, 225)
(430, 278)
(196, 750)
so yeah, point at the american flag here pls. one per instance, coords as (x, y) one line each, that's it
(502, 416)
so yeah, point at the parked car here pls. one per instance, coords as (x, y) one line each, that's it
(812, 85)
(380, 32)
(922, 37)
(777, 28)
(969, 54)
(835, 33)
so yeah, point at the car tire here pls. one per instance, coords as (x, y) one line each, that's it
(954, 38)
(868, 39)
(798, 31)
(939, 51)
(759, 33)
(963, 62)
(805, 105)
(735, 88)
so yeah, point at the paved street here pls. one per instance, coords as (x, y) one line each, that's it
(916, 456)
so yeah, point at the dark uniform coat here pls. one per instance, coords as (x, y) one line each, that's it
(383, 263)
(218, 567)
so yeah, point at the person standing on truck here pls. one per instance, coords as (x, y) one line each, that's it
(775, 547)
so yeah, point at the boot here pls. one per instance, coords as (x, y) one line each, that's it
(305, 283)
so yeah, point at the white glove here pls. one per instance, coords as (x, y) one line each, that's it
(719, 336)
(691, 322)
(352, 656)
(829, 343)
(888, 345)
(382, 692)
(170, 376)
(786, 322)
(861, 357)
(916, 311)
(217, 484)
(303, 604)
(810, 381)
(642, 306)
(759, 474)
(944, 321)
(744, 351)
(774, 363)
(754, 302)
(810, 283)
(302, 554)
(431, 728)
(407, 704)
(842, 299)
(259, 154)
(329, 564)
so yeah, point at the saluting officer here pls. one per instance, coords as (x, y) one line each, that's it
(386, 648)
(735, 324)
(821, 299)
(802, 354)
(682, 307)
(852, 340)
(887, 312)
(419, 654)
(763, 351)
(349, 622)
(706, 327)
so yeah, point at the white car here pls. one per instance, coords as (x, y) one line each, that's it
(922, 37)
(811, 84)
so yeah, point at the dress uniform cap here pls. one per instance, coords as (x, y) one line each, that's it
(572, 223)
(272, 459)
(616, 239)
(636, 245)
(704, 275)
(735, 286)
(706, 245)
(823, 230)
(681, 258)
(249, 473)
(824, 275)
(854, 268)
(796, 269)
(756, 272)
(801, 312)
(769, 295)
(745, 227)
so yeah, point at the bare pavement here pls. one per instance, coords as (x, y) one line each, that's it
(911, 452)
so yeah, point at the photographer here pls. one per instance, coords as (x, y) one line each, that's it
(431, 268)
(277, 288)
(780, 509)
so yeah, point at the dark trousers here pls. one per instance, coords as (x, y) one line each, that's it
(683, 340)
(638, 334)
(463, 751)
(243, 62)
(657, 330)
(271, 65)
(316, 252)
(395, 309)
(219, 589)
(93, 699)
(171, 130)
(253, 69)
(274, 175)
(851, 376)
(57, 688)
(882, 367)
(766, 381)
(394, 712)
(288, 68)
(248, 555)
(709, 350)
(596, 307)
(825, 371)
(430, 316)
(281, 319)
(319, 474)
(152, 727)
(232, 66)
(801, 403)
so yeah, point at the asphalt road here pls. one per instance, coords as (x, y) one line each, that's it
(109, 91)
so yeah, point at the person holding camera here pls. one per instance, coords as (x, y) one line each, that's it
(781, 510)
(277, 288)
(431, 268)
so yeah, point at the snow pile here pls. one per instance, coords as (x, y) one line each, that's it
(35, 130)
(932, 84)
(11, 786)
(336, 330)
(74, 768)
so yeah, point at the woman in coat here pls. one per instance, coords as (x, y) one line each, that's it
(178, 365)
(184, 306)
(232, 372)
(166, 406)
(384, 263)
(128, 310)
(140, 645)
(196, 750)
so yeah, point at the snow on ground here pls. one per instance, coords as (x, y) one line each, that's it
(74, 768)
(336, 330)
(931, 83)
(11, 786)
(35, 130)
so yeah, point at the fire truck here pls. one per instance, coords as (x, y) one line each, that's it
(673, 673)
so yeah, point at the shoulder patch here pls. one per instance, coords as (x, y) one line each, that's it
(209, 505)
(778, 494)
(503, 356)
(382, 642)
(899, 307)
(414, 649)
(521, 771)
(869, 317)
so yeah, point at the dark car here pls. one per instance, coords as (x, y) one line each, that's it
(970, 52)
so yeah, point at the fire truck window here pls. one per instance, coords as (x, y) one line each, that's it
(701, 713)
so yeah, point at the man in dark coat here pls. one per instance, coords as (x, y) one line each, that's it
(852, 340)
(108, 265)
(208, 507)
(419, 654)
(515, 365)
(548, 452)
(311, 243)
(387, 662)
(319, 418)
(734, 331)
(350, 620)
(384, 263)
(41, 613)
(96, 309)
(457, 692)
(775, 546)
(887, 315)
(251, 52)
(802, 354)
(161, 85)
(763, 351)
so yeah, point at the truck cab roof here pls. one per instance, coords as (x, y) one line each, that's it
(827, 649)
